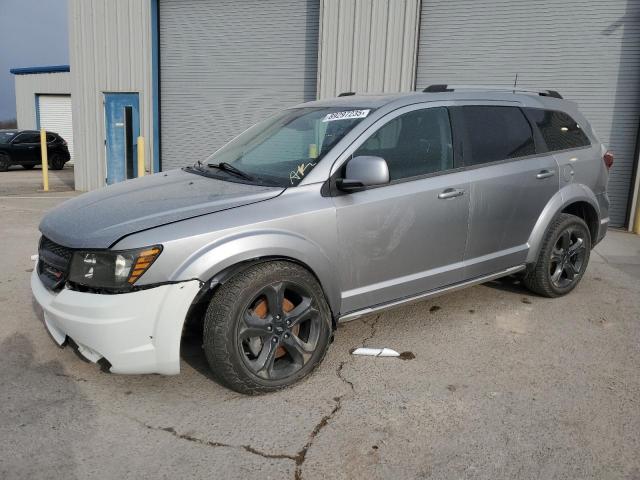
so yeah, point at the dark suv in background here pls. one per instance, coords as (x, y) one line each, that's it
(22, 147)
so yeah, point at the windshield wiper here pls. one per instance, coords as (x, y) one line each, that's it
(227, 167)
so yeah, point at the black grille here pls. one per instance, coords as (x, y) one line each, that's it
(53, 264)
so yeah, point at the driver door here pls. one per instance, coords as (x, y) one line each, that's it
(409, 236)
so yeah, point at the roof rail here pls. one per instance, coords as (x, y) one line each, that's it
(347, 94)
(483, 88)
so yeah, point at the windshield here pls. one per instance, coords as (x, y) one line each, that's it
(5, 137)
(283, 149)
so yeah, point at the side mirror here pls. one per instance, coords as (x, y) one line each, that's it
(362, 172)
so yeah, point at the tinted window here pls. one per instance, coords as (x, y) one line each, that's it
(416, 143)
(5, 137)
(27, 138)
(558, 129)
(495, 133)
(51, 137)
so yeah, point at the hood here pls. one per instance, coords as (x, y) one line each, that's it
(100, 218)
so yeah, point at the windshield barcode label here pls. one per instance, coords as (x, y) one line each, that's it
(347, 115)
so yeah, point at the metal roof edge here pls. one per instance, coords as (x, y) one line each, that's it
(43, 69)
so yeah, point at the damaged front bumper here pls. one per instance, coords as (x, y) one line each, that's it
(137, 332)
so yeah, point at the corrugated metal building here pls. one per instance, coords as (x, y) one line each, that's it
(189, 75)
(43, 100)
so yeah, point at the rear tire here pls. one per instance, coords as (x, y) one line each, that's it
(5, 162)
(266, 328)
(57, 162)
(563, 258)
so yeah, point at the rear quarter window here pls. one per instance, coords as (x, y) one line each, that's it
(559, 130)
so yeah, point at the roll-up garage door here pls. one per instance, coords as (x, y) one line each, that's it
(54, 112)
(588, 51)
(226, 64)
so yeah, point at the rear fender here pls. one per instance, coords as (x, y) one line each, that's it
(567, 195)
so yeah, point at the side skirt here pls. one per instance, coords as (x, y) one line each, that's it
(432, 293)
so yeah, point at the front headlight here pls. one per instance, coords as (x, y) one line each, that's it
(111, 269)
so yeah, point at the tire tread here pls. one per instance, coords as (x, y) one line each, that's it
(219, 329)
(537, 279)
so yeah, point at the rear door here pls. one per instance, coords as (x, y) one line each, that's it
(510, 184)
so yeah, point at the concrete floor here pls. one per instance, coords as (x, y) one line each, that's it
(504, 385)
(20, 182)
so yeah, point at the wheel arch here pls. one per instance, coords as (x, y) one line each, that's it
(215, 264)
(576, 199)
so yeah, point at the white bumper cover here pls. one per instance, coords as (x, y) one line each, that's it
(136, 332)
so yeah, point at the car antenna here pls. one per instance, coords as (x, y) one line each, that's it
(515, 82)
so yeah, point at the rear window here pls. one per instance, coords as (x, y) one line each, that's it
(495, 133)
(559, 130)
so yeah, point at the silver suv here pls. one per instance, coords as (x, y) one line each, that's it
(322, 213)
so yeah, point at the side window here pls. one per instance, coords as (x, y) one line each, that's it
(51, 137)
(558, 129)
(26, 138)
(496, 133)
(415, 143)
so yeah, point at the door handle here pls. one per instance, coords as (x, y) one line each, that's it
(545, 174)
(450, 193)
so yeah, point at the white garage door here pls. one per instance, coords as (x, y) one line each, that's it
(226, 64)
(55, 116)
(588, 51)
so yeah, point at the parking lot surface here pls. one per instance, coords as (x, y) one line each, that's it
(503, 385)
(17, 181)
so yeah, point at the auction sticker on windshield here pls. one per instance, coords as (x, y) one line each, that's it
(346, 115)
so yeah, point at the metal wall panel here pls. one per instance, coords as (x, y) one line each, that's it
(367, 46)
(28, 86)
(589, 51)
(226, 64)
(110, 51)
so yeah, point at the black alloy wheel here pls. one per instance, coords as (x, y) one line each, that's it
(567, 257)
(279, 331)
(266, 327)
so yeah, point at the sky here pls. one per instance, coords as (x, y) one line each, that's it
(32, 33)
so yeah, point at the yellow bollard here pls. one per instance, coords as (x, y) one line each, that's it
(45, 160)
(140, 156)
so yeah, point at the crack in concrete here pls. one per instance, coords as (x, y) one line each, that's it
(373, 325)
(301, 455)
(246, 448)
(72, 377)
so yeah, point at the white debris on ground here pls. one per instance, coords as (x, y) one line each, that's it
(376, 352)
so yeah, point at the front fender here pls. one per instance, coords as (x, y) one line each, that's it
(574, 192)
(226, 252)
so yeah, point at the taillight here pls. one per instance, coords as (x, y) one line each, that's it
(607, 158)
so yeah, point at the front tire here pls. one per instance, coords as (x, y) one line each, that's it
(266, 328)
(563, 257)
